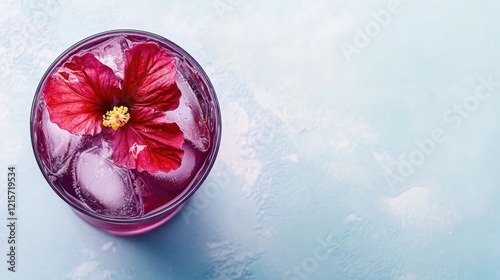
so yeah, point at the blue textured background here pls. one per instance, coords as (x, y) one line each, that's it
(320, 144)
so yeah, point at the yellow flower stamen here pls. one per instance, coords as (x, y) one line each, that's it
(116, 118)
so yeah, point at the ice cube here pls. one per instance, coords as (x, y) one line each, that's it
(60, 144)
(104, 187)
(112, 54)
(181, 176)
(190, 118)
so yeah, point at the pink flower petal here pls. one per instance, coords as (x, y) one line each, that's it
(147, 143)
(149, 79)
(80, 93)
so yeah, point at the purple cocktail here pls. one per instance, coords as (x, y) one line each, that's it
(125, 127)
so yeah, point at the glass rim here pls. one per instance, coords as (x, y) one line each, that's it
(207, 164)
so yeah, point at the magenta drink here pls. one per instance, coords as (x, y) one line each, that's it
(125, 127)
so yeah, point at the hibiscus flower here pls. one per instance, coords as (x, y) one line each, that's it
(86, 97)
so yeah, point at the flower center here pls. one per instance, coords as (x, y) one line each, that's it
(116, 118)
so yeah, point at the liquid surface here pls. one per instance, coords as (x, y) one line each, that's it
(81, 166)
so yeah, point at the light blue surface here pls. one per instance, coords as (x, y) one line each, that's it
(313, 126)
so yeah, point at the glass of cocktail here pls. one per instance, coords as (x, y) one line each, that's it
(125, 127)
